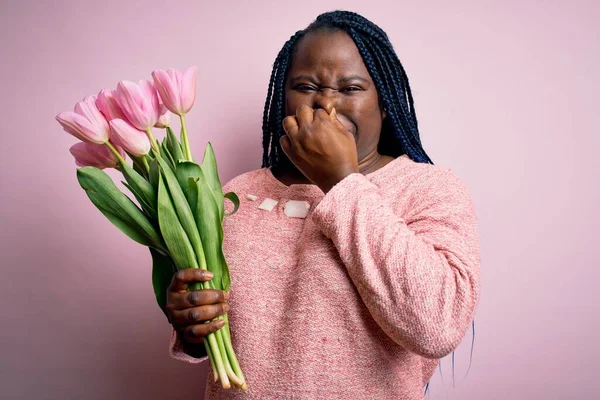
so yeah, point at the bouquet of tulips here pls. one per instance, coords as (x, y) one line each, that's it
(180, 204)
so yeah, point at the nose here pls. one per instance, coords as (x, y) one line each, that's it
(326, 99)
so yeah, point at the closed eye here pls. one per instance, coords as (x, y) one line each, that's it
(304, 88)
(307, 88)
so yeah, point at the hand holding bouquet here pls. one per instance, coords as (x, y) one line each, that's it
(180, 204)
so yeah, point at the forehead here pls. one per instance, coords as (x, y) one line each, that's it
(333, 52)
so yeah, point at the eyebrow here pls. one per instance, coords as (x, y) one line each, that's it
(341, 80)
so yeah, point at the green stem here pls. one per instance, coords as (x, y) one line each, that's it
(145, 162)
(214, 347)
(185, 139)
(114, 151)
(211, 357)
(230, 352)
(152, 140)
(221, 340)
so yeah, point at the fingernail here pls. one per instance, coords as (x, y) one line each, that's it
(207, 274)
(226, 295)
(226, 308)
(220, 323)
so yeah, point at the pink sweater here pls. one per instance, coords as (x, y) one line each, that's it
(360, 299)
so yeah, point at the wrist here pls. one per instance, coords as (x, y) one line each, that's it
(327, 186)
(196, 350)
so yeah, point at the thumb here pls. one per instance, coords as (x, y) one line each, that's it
(334, 119)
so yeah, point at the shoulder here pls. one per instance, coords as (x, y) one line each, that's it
(405, 172)
(425, 184)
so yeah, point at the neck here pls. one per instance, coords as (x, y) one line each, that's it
(286, 172)
(369, 163)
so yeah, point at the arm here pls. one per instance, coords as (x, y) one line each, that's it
(419, 278)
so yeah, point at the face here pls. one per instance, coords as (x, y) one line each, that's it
(327, 71)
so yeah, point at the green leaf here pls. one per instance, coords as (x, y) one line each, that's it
(154, 174)
(163, 270)
(210, 228)
(235, 200)
(174, 146)
(166, 155)
(148, 210)
(141, 187)
(183, 210)
(117, 207)
(192, 195)
(173, 233)
(186, 170)
(211, 173)
(138, 166)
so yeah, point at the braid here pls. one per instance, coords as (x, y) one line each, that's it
(275, 103)
(265, 125)
(398, 106)
(383, 92)
(400, 134)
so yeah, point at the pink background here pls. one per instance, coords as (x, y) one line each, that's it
(506, 93)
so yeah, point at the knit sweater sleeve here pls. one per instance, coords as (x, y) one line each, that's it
(178, 351)
(418, 277)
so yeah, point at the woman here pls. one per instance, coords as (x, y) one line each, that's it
(359, 299)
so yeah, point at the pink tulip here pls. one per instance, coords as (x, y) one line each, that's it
(86, 123)
(94, 155)
(139, 103)
(177, 90)
(134, 141)
(108, 105)
(165, 117)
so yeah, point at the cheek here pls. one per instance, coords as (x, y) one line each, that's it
(368, 119)
(293, 100)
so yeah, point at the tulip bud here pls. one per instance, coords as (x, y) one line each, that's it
(94, 155)
(165, 118)
(139, 103)
(177, 90)
(134, 141)
(86, 122)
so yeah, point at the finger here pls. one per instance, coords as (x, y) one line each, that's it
(290, 125)
(336, 122)
(197, 315)
(184, 277)
(286, 145)
(195, 298)
(197, 333)
(321, 114)
(304, 115)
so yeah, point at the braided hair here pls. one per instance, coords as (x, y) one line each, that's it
(400, 132)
